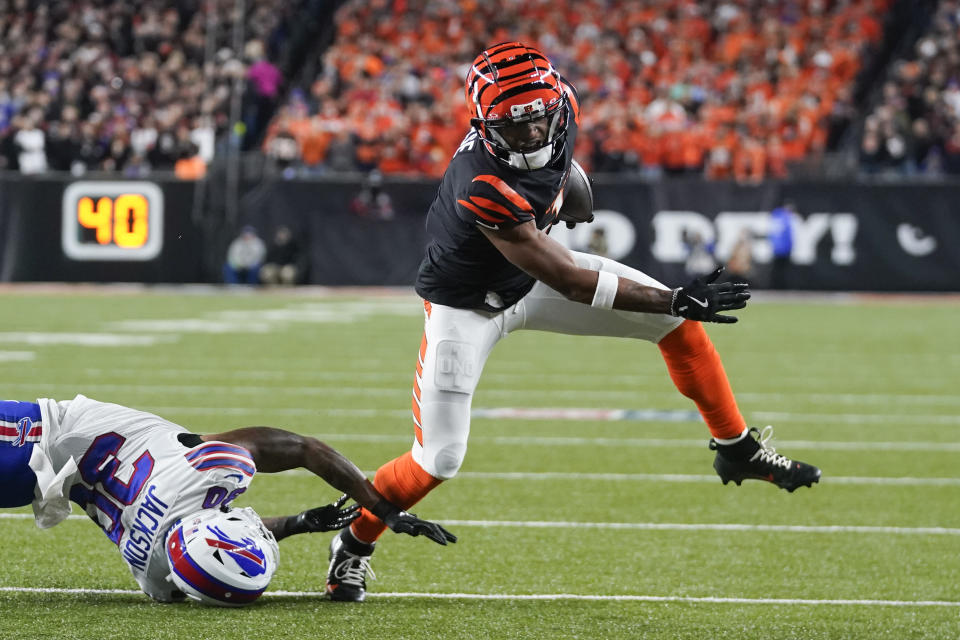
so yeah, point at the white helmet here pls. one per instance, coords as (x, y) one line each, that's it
(224, 558)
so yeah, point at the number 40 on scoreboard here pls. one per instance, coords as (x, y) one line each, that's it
(112, 221)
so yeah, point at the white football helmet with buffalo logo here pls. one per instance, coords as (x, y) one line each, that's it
(223, 558)
(510, 84)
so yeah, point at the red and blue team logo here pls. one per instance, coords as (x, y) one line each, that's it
(23, 430)
(245, 552)
(20, 423)
(20, 429)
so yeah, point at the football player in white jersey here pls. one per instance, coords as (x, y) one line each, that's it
(163, 494)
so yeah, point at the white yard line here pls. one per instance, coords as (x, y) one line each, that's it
(541, 596)
(553, 476)
(103, 339)
(655, 526)
(657, 443)
(692, 478)
(859, 399)
(17, 356)
(575, 441)
(681, 526)
(523, 413)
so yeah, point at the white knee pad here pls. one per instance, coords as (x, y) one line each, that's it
(446, 420)
(447, 461)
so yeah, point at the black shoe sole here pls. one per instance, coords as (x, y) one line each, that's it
(789, 487)
(333, 596)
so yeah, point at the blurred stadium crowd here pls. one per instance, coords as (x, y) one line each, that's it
(122, 86)
(914, 127)
(743, 89)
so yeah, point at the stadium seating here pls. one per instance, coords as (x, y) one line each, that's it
(914, 125)
(731, 89)
(724, 88)
(125, 87)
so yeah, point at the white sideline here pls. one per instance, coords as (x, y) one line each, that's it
(653, 526)
(543, 596)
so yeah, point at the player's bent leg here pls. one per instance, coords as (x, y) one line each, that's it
(692, 361)
(697, 371)
(453, 350)
(404, 483)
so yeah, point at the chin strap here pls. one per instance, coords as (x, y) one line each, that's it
(532, 160)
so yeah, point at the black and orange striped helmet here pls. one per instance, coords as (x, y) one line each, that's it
(510, 84)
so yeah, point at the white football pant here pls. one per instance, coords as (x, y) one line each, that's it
(457, 342)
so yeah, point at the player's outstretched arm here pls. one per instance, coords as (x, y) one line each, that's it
(276, 450)
(550, 262)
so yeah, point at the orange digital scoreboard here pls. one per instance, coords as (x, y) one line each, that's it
(112, 220)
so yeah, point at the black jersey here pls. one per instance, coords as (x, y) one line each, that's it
(461, 267)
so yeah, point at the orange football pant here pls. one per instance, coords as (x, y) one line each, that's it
(404, 483)
(698, 373)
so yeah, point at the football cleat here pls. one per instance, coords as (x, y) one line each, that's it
(764, 464)
(347, 575)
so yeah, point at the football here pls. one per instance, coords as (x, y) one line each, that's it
(577, 196)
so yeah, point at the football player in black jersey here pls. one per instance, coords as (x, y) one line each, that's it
(491, 268)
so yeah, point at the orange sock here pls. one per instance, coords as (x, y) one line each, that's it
(697, 371)
(401, 481)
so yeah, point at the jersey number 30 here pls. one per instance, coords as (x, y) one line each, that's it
(99, 465)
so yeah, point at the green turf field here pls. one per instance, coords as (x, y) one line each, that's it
(568, 528)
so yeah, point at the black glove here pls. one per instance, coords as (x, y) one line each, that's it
(402, 522)
(327, 518)
(702, 300)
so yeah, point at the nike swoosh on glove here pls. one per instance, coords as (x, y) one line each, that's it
(702, 300)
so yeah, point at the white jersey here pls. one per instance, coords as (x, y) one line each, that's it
(135, 478)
